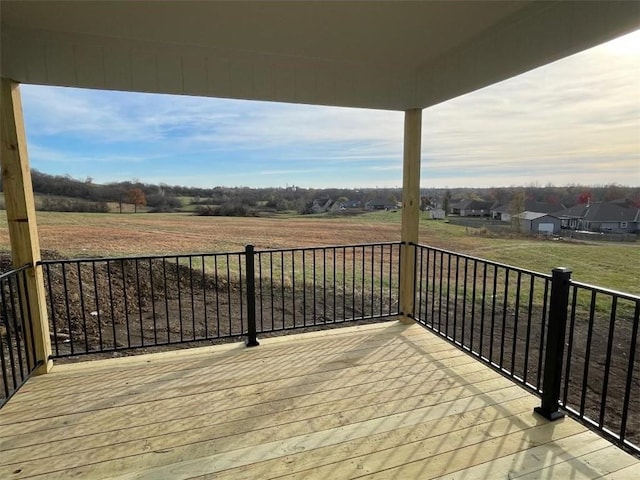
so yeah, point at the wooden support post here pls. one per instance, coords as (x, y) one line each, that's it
(21, 218)
(410, 211)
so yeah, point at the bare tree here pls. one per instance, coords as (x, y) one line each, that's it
(136, 196)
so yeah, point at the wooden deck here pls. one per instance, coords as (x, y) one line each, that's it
(377, 401)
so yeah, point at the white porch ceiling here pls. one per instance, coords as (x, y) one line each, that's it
(386, 55)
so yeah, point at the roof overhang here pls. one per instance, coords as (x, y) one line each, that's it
(383, 55)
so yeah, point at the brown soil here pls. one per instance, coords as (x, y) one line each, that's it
(125, 304)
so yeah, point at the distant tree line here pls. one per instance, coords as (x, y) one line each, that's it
(64, 193)
(72, 205)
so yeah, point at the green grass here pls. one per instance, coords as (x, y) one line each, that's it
(609, 265)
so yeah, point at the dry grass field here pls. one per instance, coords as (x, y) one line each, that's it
(82, 234)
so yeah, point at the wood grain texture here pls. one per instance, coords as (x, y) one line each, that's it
(410, 211)
(21, 220)
(385, 401)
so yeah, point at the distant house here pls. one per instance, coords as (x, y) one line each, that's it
(501, 212)
(351, 204)
(321, 205)
(535, 222)
(504, 212)
(604, 217)
(436, 213)
(471, 208)
(380, 204)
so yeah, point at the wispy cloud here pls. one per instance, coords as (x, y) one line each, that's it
(577, 120)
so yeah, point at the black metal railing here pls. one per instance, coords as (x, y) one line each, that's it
(601, 373)
(496, 312)
(110, 304)
(17, 362)
(308, 287)
(572, 344)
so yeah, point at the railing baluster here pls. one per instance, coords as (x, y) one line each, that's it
(18, 329)
(139, 302)
(293, 288)
(304, 288)
(381, 276)
(515, 323)
(282, 289)
(362, 283)
(353, 282)
(607, 365)
(193, 305)
(419, 276)
(204, 299)
(455, 300)
(82, 309)
(567, 370)
(66, 301)
(630, 371)
(483, 308)
(52, 312)
(97, 304)
(126, 302)
(272, 292)
(217, 283)
(464, 299)
(494, 297)
(113, 316)
(240, 294)
(543, 324)
(432, 319)
(228, 261)
(166, 299)
(528, 334)
(505, 308)
(473, 308)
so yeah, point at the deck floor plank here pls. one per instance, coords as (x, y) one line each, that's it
(205, 382)
(376, 401)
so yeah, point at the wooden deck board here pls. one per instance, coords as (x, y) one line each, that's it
(376, 401)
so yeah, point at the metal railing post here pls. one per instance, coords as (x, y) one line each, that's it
(252, 340)
(559, 305)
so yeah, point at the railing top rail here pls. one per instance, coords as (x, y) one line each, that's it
(484, 260)
(14, 271)
(326, 247)
(205, 254)
(132, 257)
(608, 291)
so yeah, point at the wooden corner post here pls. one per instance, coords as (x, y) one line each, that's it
(21, 219)
(410, 211)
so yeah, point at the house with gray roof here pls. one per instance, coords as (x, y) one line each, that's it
(380, 204)
(471, 208)
(601, 217)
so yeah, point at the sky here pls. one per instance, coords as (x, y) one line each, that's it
(576, 121)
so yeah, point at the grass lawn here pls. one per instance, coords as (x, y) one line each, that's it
(608, 265)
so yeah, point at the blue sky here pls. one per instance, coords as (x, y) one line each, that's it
(574, 121)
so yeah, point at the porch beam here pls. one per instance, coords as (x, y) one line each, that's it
(21, 220)
(410, 210)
